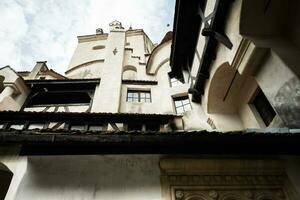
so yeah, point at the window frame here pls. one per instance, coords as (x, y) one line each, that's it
(137, 96)
(258, 112)
(174, 82)
(183, 105)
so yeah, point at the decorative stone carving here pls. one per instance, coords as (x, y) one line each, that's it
(225, 180)
(178, 194)
(213, 194)
(205, 179)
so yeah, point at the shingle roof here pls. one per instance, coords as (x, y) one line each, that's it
(44, 142)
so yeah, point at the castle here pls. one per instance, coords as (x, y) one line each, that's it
(212, 112)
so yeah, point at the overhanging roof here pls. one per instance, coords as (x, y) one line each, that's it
(186, 30)
(48, 142)
(87, 117)
(187, 24)
(62, 84)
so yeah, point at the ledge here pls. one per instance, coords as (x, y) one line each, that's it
(139, 82)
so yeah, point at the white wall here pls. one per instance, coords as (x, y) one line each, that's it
(117, 177)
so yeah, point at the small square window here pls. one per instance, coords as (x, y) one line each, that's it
(182, 104)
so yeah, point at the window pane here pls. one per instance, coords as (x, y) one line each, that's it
(148, 100)
(77, 127)
(129, 94)
(187, 107)
(96, 127)
(35, 126)
(185, 101)
(135, 99)
(175, 82)
(136, 95)
(178, 103)
(148, 95)
(143, 95)
(179, 110)
(17, 126)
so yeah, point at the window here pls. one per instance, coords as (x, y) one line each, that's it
(152, 127)
(134, 127)
(138, 96)
(175, 82)
(96, 127)
(32, 126)
(77, 127)
(58, 98)
(17, 126)
(264, 108)
(182, 104)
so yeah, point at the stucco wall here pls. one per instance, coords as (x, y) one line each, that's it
(85, 53)
(91, 177)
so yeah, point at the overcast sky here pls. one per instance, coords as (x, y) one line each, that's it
(38, 30)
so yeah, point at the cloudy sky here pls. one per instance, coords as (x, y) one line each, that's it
(38, 30)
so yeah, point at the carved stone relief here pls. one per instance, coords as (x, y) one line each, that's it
(206, 180)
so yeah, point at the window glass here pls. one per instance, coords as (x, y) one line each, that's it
(178, 103)
(143, 95)
(17, 126)
(179, 110)
(35, 126)
(175, 82)
(96, 128)
(182, 104)
(77, 127)
(186, 102)
(187, 107)
(139, 96)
